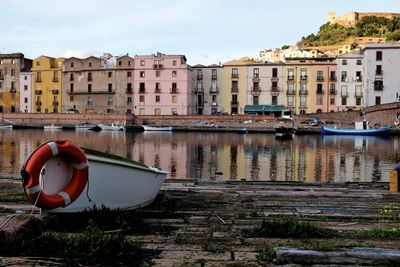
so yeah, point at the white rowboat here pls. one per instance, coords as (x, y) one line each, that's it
(153, 128)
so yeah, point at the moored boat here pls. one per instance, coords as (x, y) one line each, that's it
(53, 127)
(61, 177)
(85, 126)
(242, 130)
(154, 128)
(381, 131)
(112, 127)
(284, 127)
(6, 126)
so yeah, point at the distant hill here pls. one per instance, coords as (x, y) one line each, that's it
(369, 26)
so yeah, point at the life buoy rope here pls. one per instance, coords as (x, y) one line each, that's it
(33, 167)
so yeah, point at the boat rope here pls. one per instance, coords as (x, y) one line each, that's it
(6, 221)
(40, 191)
(87, 189)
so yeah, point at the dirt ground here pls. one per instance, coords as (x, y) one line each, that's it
(192, 224)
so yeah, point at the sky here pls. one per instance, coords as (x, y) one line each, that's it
(205, 31)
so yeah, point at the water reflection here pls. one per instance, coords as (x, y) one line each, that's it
(257, 157)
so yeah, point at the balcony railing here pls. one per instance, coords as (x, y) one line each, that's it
(234, 103)
(13, 90)
(235, 76)
(214, 90)
(378, 87)
(303, 77)
(379, 72)
(320, 92)
(157, 90)
(275, 91)
(199, 90)
(290, 92)
(38, 92)
(54, 92)
(142, 91)
(332, 91)
(320, 79)
(303, 92)
(90, 79)
(358, 94)
(235, 89)
(256, 78)
(55, 103)
(174, 90)
(158, 66)
(38, 103)
(1, 77)
(255, 90)
(290, 77)
(344, 94)
(274, 79)
(358, 79)
(199, 77)
(128, 90)
(332, 78)
(214, 77)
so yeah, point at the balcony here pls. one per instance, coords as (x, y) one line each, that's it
(38, 92)
(274, 79)
(344, 94)
(235, 76)
(1, 77)
(157, 90)
(234, 103)
(142, 91)
(320, 78)
(199, 77)
(13, 90)
(54, 92)
(38, 80)
(303, 77)
(303, 92)
(173, 90)
(128, 91)
(332, 78)
(235, 89)
(214, 104)
(90, 79)
(378, 87)
(256, 78)
(38, 103)
(332, 91)
(358, 79)
(379, 73)
(290, 92)
(344, 79)
(358, 94)
(158, 66)
(214, 77)
(290, 77)
(198, 90)
(214, 90)
(275, 91)
(255, 90)
(55, 103)
(71, 79)
(320, 92)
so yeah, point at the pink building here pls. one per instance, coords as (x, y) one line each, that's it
(162, 85)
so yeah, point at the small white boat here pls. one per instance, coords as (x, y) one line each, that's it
(85, 126)
(112, 127)
(61, 177)
(154, 128)
(6, 126)
(53, 127)
(284, 128)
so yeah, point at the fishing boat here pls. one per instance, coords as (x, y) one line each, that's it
(60, 177)
(284, 127)
(53, 127)
(6, 126)
(112, 127)
(154, 128)
(242, 130)
(381, 131)
(85, 126)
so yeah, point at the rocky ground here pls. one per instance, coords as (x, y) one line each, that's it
(204, 224)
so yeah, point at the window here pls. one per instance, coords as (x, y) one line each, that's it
(290, 88)
(158, 88)
(72, 64)
(71, 88)
(89, 76)
(174, 63)
(157, 98)
(290, 100)
(320, 76)
(90, 64)
(303, 101)
(142, 87)
(173, 99)
(256, 73)
(377, 100)
(25, 87)
(344, 101)
(358, 101)
(38, 63)
(129, 74)
(255, 100)
(129, 63)
(274, 72)
(89, 88)
(141, 62)
(25, 100)
(1, 85)
(109, 101)
(141, 99)
(332, 101)
(378, 70)
(119, 63)
(141, 74)
(110, 87)
(235, 73)
(290, 74)
(71, 98)
(55, 76)
(129, 100)
(89, 101)
(359, 62)
(303, 88)
(157, 73)
(378, 55)
(71, 77)
(343, 91)
(109, 74)
(129, 87)
(213, 74)
(344, 61)
(303, 74)
(319, 88)
(38, 76)
(25, 78)
(235, 87)
(320, 100)
(358, 76)
(344, 76)
(12, 72)
(174, 73)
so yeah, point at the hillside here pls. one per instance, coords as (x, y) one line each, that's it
(370, 26)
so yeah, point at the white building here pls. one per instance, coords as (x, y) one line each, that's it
(350, 95)
(25, 89)
(381, 67)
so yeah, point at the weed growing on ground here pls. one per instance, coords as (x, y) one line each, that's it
(266, 254)
(13, 198)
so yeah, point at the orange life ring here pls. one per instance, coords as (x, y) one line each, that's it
(31, 173)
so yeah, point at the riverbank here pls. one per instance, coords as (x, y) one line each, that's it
(221, 223)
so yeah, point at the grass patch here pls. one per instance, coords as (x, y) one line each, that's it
(377, 233)
(266, 254)
(288, 227)
(93, 246)
(13, 198)
(214, 248)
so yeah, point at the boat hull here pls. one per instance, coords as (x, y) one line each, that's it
(113, 127)
(151, 128)
(382, 131)
(113, 184)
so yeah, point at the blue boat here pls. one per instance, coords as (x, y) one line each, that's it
(381, 131)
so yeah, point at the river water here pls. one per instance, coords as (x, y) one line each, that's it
(226, 156)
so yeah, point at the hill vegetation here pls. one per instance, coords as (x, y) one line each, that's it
(370, 26)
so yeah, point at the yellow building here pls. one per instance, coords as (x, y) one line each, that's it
(234, 91)
(46, 84)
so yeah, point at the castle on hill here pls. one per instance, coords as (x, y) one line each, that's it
(351, 18)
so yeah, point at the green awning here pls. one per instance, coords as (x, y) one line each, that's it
(263, 108)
